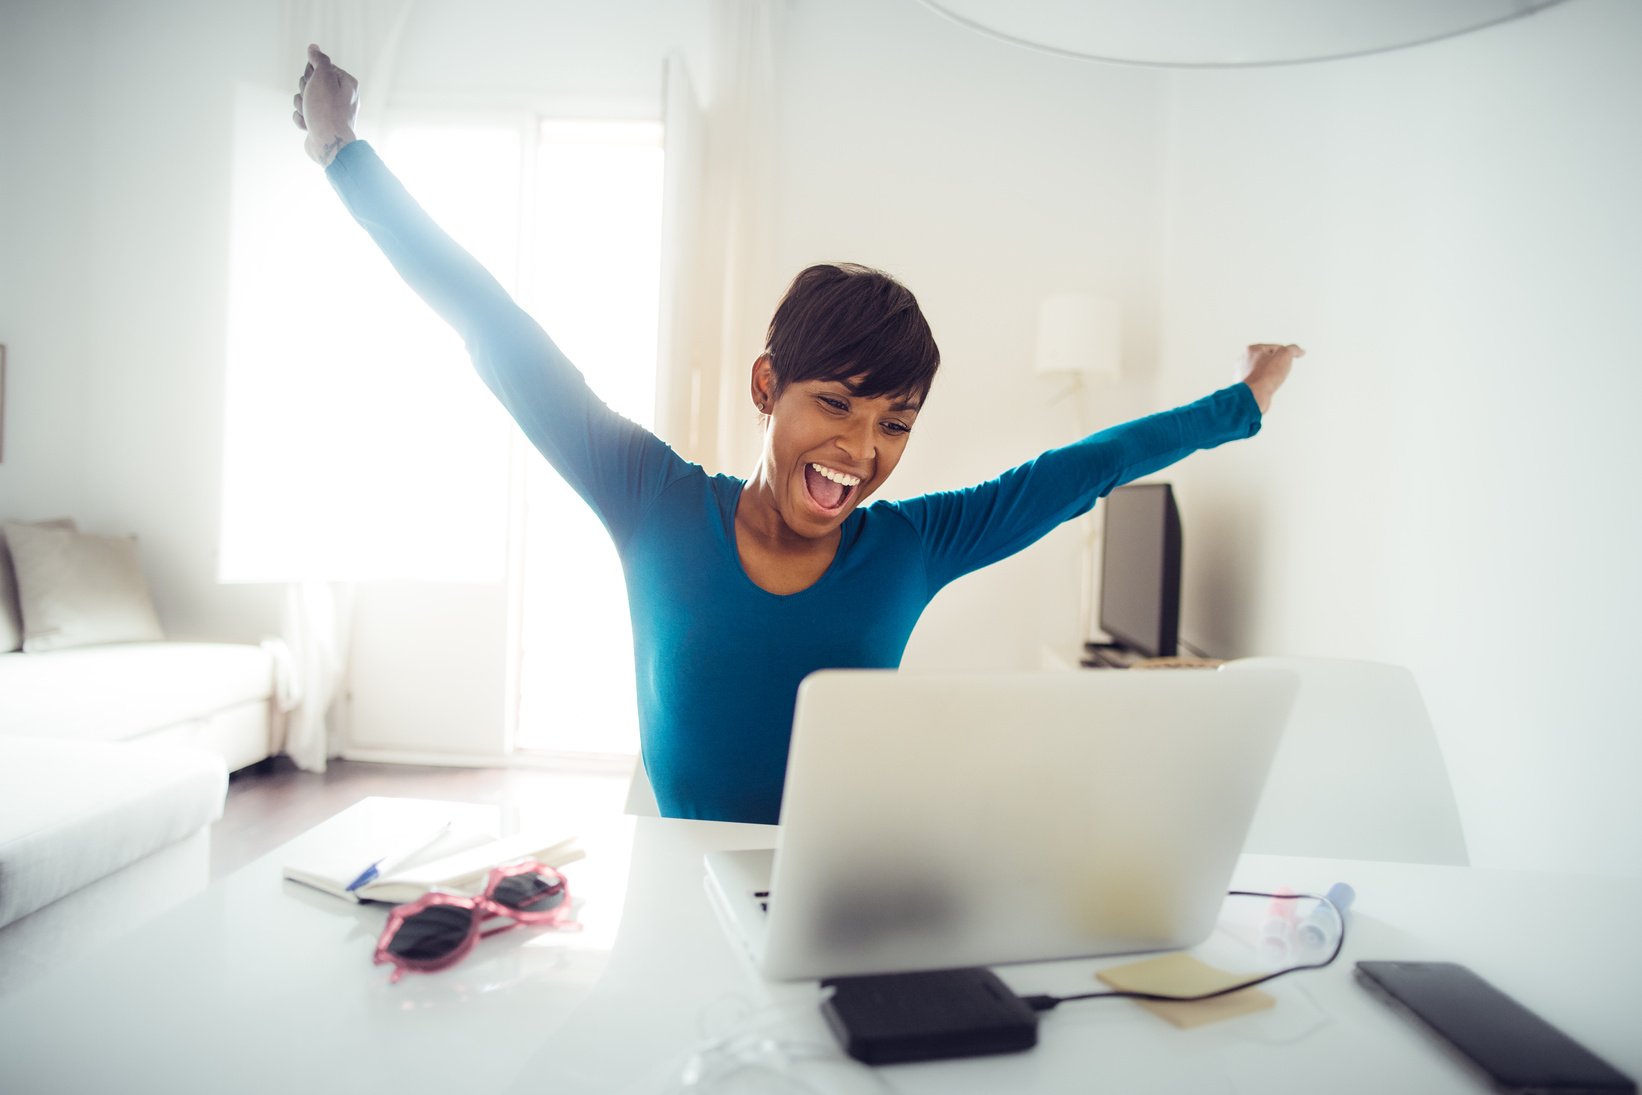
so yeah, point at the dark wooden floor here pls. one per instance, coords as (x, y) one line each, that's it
(271, 802)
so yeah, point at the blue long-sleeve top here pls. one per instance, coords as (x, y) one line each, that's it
(718, 658)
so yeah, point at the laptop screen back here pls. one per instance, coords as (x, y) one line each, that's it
(939, 820)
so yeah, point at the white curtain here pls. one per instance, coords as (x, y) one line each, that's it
(363, 37)
(733, 270)
(681, 367)
(316, 628)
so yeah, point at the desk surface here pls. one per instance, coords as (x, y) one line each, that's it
(261, 985)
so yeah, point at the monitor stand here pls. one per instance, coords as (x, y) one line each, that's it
(1107, 656)
(1112, 656)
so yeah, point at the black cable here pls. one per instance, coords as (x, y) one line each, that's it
(1190, 648)
(1046, 1003)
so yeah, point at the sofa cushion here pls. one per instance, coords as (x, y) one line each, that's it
(79, 589)
(124, 690)
(11, 615)
(72, 812)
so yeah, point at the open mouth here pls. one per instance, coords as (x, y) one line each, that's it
(829, 488)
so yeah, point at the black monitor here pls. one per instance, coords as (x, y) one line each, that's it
(1140, 570)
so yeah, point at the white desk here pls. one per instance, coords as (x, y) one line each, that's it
(260, 985)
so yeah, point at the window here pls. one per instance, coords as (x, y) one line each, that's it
(360, 445)
(594, 281)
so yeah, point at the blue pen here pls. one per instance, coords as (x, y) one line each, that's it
(390, 863)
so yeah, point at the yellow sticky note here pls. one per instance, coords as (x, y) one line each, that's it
(1179, 974)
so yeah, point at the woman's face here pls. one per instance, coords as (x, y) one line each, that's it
(825, 449)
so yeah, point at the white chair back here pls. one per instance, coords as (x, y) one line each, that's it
(1359, 774)
(641, 798)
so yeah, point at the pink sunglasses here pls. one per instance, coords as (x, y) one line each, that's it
(437, 930)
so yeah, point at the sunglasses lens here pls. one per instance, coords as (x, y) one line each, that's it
(431, 934)
(529, 892)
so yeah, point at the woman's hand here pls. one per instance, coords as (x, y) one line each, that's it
(326, 101)
(1265, 369)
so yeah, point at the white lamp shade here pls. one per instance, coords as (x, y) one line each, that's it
(1079, 333)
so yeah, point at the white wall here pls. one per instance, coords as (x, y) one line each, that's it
(1453, 232)
(985, 177)
(489, 51)
(113, 150)
(43, 253)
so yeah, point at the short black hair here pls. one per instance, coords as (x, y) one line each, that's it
(843, 321)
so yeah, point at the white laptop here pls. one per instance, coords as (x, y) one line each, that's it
(937, 820)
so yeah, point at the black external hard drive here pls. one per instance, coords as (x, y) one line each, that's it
(895, 1017)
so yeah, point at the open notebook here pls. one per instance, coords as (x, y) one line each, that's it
(458, 861)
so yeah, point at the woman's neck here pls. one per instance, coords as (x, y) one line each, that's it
(776, 558)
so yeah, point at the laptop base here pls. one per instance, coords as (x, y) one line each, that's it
(898, 1017)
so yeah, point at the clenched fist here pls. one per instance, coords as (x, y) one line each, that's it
(1266, 367)
(326, 102)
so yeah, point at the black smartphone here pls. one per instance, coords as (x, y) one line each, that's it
(1512, 1046)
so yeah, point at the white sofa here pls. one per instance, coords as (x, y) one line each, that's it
(212, 696)
(114, 762)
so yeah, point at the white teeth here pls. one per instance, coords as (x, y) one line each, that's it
(837, 476)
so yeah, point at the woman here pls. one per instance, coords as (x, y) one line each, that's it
(740, 588)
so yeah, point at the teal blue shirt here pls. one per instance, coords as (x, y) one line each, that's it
(719, 659)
